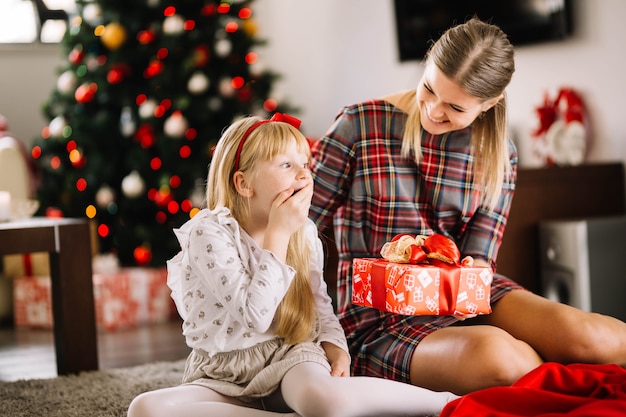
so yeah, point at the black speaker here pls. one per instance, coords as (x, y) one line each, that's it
(583, 263)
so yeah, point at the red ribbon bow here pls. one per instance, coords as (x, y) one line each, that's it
(277, 117)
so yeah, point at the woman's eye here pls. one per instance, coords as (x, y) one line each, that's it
(427, 88)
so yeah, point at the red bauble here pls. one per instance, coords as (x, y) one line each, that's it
(86, 92)
(76, 55)
(142, 255)
(54, 213)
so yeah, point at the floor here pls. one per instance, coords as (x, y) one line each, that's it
(29, 354)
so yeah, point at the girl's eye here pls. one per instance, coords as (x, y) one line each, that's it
(456, 109)
(427, 88)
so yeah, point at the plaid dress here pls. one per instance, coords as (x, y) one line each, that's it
(368, 193)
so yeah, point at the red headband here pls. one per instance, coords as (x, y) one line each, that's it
(277, 117)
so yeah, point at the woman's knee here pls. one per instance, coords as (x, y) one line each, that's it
(501, 359)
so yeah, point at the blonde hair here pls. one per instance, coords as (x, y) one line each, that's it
(296, 313)
(480, 59)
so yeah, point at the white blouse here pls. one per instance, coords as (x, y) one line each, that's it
(227, 289)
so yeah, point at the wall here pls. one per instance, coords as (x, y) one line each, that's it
(332, 53)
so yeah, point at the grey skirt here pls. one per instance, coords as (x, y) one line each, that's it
(252, 373)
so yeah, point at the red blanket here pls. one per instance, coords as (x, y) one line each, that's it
(550, 390)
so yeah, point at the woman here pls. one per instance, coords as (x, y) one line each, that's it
(437, 160)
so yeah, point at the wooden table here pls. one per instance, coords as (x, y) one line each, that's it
(68, 243)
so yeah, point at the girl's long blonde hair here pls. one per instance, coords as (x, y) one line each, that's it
(296, 313)
(480, 59)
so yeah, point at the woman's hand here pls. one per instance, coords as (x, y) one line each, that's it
(339, 360)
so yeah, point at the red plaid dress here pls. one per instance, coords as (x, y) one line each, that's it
(369, 193)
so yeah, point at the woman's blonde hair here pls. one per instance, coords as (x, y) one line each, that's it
(480, 59)
(296, 313)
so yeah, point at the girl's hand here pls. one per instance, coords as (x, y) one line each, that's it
(290, 209)
(339, 360)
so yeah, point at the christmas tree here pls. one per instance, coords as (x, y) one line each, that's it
(146, 91)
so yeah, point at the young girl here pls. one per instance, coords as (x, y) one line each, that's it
(248, 285)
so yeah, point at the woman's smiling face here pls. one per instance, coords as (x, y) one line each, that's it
(443, 105)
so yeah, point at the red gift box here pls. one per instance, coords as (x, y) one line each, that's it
(127, 298)
(436, 288)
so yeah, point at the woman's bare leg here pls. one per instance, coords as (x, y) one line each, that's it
(523, 330)
(467, 358)
(559, 332)
(309, 389)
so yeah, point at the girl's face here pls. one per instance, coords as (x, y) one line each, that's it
(443, 105)
(288, 170)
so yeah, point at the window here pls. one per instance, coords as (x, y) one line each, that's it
(29, 21)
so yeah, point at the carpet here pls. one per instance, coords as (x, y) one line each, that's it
(103, 393)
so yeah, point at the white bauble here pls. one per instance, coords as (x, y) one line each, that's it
(92, 13)
(173, 25)
(127, 124)
(66, 83)
(56, 126)
(175, 125)
(198, 83)
(223, 47)
(146, 109)
(226, 88)
(133, 185)
(105, 196)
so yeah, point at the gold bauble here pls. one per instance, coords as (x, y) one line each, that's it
(114, 36)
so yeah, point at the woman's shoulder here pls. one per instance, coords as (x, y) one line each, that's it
(376, 106)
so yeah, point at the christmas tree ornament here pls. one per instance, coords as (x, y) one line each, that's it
(146, 37)
(92, 14)
(225, 87)
(146, 109)
(114, 36)
(56, 126)
(153, 69)
(117, 73)
(76, 55)
(127, 122)
(86, 92)
(105, 196)
(175, 125)
(145, 136)
(198, 83)
(173, 25)
(142, 255)
(66, 83)
(223, 47)
(133, 185)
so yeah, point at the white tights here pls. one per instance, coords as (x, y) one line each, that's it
(308, 389)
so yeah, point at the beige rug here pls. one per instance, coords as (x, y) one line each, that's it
(104, 393)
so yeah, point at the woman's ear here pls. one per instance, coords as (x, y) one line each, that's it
(492, 102)
(241, 184)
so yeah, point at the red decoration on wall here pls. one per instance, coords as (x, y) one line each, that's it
(562, 131)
